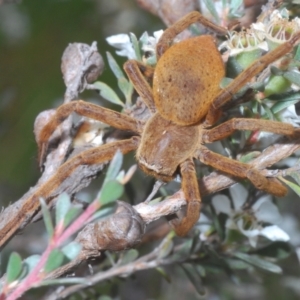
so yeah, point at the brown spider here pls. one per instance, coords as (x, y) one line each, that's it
(185, 99)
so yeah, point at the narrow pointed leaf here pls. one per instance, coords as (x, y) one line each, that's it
(163, 273)
(293, 186)
(63, 205)
(280, 105)
(194, 278)
(108, 93)
(212, 9)
(136, 46)
(114, 66)
(295, 175)
(293, 76)
(47, 217)
(114, 167)
(258, 262)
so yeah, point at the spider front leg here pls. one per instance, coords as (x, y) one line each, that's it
(107, 116)
(137, 72)
(190, 189)
(182, 24)
(254, 69)
(241, 170)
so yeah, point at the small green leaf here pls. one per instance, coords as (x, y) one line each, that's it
(289, 96)
(194, 277)
(14, 267)
(130, 256)
(114, 66)
(108, 93)
(63, 205)
(297, 55)
(280, 105)
(136, 47)
(276, 85)
(293, 186)
(268, 112)
(71, 215)
(114, 167)
(110, 192)
(29, 264)
(295, 175)
(47, 217)
(258, 262)
(235, 5)
(225, 82)
(212, 9)
(71, 250)
(293, 76)
(54, 261)
(127, 88)
(163, 273)
(237, 264)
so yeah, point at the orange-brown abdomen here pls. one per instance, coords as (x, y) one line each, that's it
(186, 80)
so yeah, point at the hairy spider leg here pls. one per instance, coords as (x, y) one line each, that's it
(92, 156)
(107, 116)
(240, 170)
(137, 72)
(255, 68)
(191, 192)
(170, 33)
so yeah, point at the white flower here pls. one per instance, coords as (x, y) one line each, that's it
(149, 42)
(250, 222)
(122, 42)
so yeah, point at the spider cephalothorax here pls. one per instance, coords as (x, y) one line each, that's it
(185, 100)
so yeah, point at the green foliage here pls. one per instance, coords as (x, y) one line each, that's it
(14, 267)
(47, 218)
(54, 261)
(63, 205)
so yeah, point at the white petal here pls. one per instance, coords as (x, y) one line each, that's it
(265, 210)
(157, 34)
(274, 233)
(118, 40)
(221, 203)
(239, 195)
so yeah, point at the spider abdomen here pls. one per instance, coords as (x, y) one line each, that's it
(186, 80)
